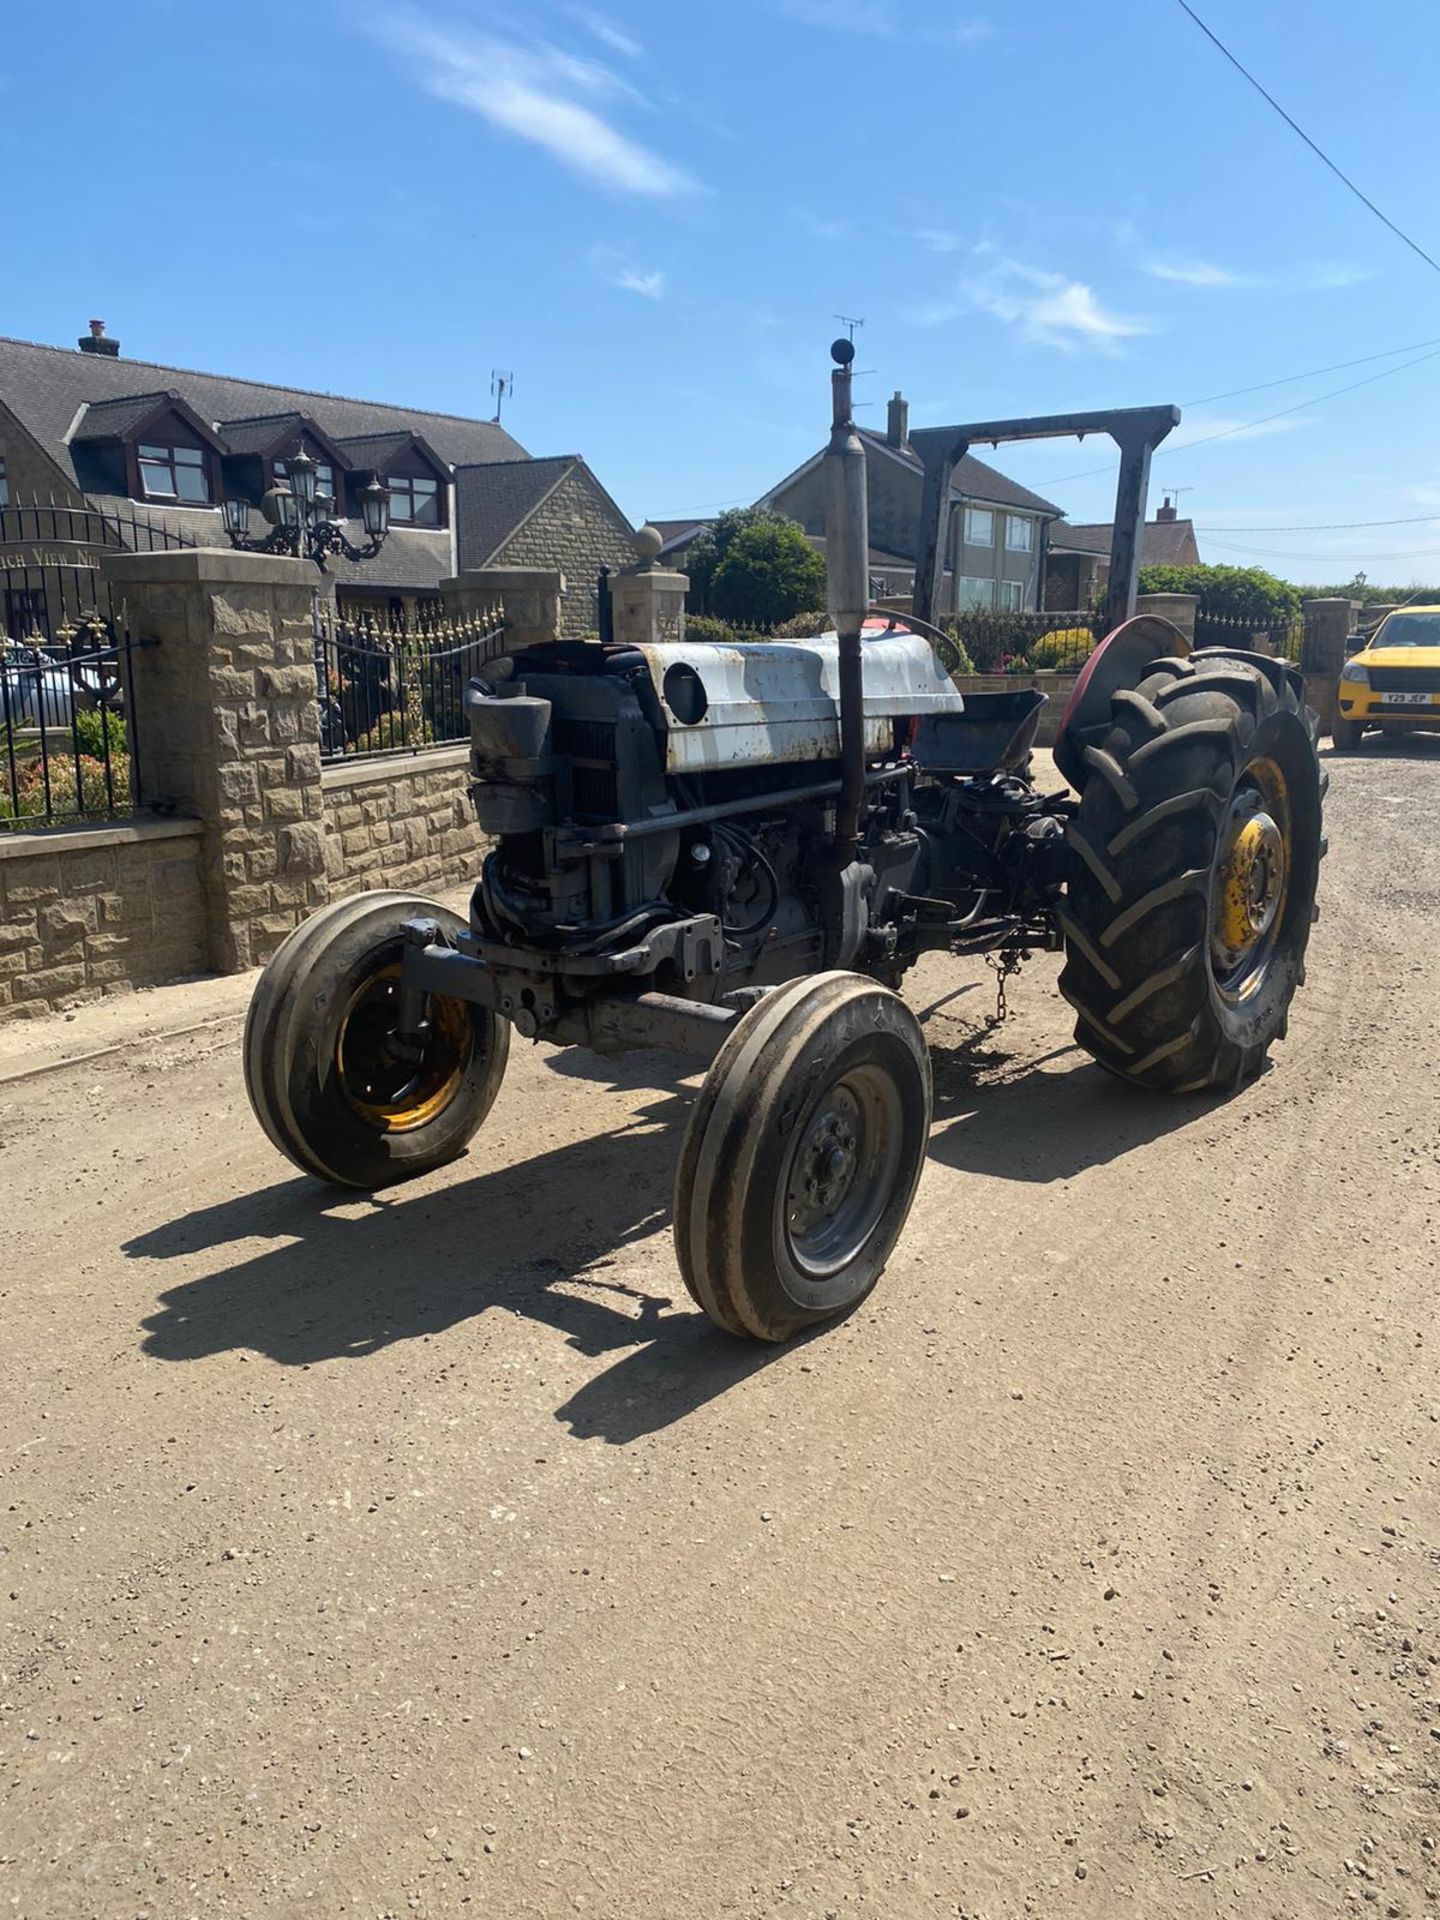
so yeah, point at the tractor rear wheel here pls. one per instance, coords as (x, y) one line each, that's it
(802, 1155)
(1197, 847)
(336, 1086)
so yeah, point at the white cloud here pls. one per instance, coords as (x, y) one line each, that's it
(1196, 273)
(1049, 309)
(939, 240)
(617, 270)
(883, 20)
(1318, 277)
(606, 31)
(538, 93)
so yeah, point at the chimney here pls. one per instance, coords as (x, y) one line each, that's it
(98, 341)
(897, 424)
(1165, 512)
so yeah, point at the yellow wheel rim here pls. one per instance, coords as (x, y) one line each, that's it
(395, 1087)
(1250, 881)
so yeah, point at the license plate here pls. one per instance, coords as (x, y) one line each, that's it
(1405, 699)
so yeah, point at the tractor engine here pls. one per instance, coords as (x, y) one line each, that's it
(684, 796)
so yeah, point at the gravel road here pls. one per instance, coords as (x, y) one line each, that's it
(432, 1555)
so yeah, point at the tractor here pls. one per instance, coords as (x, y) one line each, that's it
(736, 852)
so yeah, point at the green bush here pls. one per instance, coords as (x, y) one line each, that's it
(776, 573)
(770, 573)
(27, 803)
(709, 631)
(1232, 593)
(94, 730)
(804, 626)
(1065, 647)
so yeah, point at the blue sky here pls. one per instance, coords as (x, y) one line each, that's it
(652, 212)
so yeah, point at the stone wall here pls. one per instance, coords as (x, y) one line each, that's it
(86, 911)
(401, 823)
(576, 531)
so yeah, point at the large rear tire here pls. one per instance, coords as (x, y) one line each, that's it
(1197, 842)
(802, 1155)
(333, 1084)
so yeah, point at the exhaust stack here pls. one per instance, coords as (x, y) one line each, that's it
(847, 585)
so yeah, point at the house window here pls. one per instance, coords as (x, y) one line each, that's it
(1012, 596)
(4, 487)
(175, 473)
(979, 527)
(975, 592)
(413, 502)
(26, 613)
(1019, 533)
(324, 476)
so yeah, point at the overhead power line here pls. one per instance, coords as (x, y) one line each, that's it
(1249, 426)
(1318, 151)
(1331, 526)
(1288, 379)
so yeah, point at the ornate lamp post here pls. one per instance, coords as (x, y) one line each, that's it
(302, 520)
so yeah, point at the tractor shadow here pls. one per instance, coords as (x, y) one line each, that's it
(1012, 1115)
(342, 1276)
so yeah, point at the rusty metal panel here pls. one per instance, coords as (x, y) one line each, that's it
(776, 702)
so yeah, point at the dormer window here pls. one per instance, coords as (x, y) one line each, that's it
(414, 501)
(174, 473)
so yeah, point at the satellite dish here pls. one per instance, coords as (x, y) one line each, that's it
(842, 352)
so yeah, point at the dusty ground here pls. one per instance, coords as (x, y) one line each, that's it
(433, 1556)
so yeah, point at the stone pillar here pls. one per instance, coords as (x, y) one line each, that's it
(648, 602)
(1178, 608)
(649, 605)
(1322, 654)
(528, 597)
(227, 730)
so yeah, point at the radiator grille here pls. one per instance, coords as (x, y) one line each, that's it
(1405, 679)
(589, 747)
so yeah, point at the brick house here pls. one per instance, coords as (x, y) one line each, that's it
(543, 513)
(1078, 569)
(996, 530)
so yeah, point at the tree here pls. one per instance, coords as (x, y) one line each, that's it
(768, 573)
(754, 567)
(1233, 593)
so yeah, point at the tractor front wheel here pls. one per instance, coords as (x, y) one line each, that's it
(802, 1155)
(334, 1082)
(1197, 847)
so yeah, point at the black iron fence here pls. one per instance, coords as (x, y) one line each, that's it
(1283, 637)
(391, 687)
(67, 725)
(50, 565)
(1023, 643)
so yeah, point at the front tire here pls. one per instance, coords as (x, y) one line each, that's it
(1346, 735)
(331, 1081)
(1197, 842)
(802, 1155)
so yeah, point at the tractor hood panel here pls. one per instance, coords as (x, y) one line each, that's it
(778, 701)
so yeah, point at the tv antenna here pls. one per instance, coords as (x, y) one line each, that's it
(849, 325)
(502, 385)
(1172, 495)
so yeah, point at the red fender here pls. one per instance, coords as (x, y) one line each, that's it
(1120, 660)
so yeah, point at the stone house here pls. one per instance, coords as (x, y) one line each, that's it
(996, 532)
(543, 513)
(94, 429)
(1078, 569)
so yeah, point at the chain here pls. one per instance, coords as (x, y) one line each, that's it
(1004, 965)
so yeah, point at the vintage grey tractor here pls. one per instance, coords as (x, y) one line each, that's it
(736, 852)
